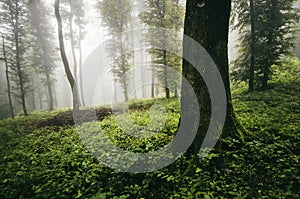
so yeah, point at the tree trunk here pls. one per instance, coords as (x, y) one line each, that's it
(65, 59)
(176, 92)
(143, 73)
(73, 53)
(54, 96)
(125, 89)
(80, 65)
(252, 56)
(18, 65)
(208, 24)
(166, 83)
(40, 97)
(123, 62)
(45, 55)
(49, 86)
(72, 43)
(124, 73)
(153, 83)
(33, 83)
(265, 78)
(268, 64)
(7, 79)
(47, 74)
(115, 91)
(133, 60)
(177, 29)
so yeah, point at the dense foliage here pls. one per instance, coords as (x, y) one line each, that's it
(41, 158)
(273, 34)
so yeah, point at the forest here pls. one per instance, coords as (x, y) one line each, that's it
(149, 99)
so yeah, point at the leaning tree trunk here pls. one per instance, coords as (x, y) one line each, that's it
(65, 59)
(72, 43)
(207, 22)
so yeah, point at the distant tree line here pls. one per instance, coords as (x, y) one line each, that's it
(163, 20)
(267, 31)
(30, 55)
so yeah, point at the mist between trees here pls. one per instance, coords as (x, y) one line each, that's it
(33, 75)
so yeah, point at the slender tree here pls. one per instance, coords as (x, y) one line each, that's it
(297, 41)
(14, 17)
(44, 52)
(64, 57)
(5, 59)
(80, 24)
(165, 19)
(133, 55)
(74, 14)
(252, 41)
(71, 34)
(116, 15)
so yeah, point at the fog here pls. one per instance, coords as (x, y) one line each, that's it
(98, 83)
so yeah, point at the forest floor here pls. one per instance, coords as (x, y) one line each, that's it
(44, 156)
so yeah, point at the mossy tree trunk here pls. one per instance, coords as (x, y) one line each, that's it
(207, 22)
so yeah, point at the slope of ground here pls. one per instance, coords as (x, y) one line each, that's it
(42, 156)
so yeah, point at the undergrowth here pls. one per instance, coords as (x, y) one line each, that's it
(43, 160)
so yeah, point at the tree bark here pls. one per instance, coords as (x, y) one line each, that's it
(80, 65)
(18, 65)
(152, 82)
(252, 56)
(65, 59)
(123, 61)
(270, 35)
(167, 89)
(133, 58)
(72, 42)
(166, 83)
(40, 97)
(176, 92)
(124, 72)
(208, 24)
(143, 73)
(49, 84)
(115, 91)
(7, 79)
(33, 83)
(45, 54)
